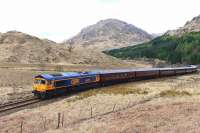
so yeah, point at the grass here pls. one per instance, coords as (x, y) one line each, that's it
(174, 93)
(113, 90)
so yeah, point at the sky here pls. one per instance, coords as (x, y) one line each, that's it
(58, 20)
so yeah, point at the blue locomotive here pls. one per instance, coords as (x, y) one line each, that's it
(48, 84)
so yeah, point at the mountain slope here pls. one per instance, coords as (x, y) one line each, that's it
(19, 47)
(184, 49)
(110, 32)
(176, 46)
(190, 26)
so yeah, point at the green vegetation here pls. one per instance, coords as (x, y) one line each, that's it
(174, 49)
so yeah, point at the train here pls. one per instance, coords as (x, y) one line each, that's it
(47, 85)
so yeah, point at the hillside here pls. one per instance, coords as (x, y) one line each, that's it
(175, 49)
(87, 46)
(18, 47)
(175, 46)
(110, 33)
(21, 48)
(190, 26)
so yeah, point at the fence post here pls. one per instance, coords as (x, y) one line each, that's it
(44, 120)
(63, 119)
(91, 112)
(58, 120)
(114, 108)
(21, 126)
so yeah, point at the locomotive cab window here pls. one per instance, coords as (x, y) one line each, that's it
(39, 81)
(42, 81)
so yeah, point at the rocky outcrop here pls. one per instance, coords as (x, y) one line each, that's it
(190, 26)
(110, 30)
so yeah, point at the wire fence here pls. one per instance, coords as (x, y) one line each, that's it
(41, 122)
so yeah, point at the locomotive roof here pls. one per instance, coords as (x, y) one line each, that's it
(63, 75)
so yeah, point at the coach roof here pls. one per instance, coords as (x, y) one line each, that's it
(65, 75)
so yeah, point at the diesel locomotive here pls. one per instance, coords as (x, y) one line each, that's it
(46, 85)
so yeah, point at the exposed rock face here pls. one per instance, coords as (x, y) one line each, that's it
(110, 30)
(190, 26)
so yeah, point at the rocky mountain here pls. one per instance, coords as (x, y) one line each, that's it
(18, 47)
(110, 31)
(190, 26)
(180, 46)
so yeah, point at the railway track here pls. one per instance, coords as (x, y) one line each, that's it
(18, 104)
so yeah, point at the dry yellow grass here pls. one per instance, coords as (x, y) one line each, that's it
(173, 93)
(113, 90)
(100, 101)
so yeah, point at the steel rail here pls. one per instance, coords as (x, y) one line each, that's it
(18, 104)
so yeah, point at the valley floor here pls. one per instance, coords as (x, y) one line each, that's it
(158, 105)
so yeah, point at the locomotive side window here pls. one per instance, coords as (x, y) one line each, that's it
(49, 82)
(60, 83)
